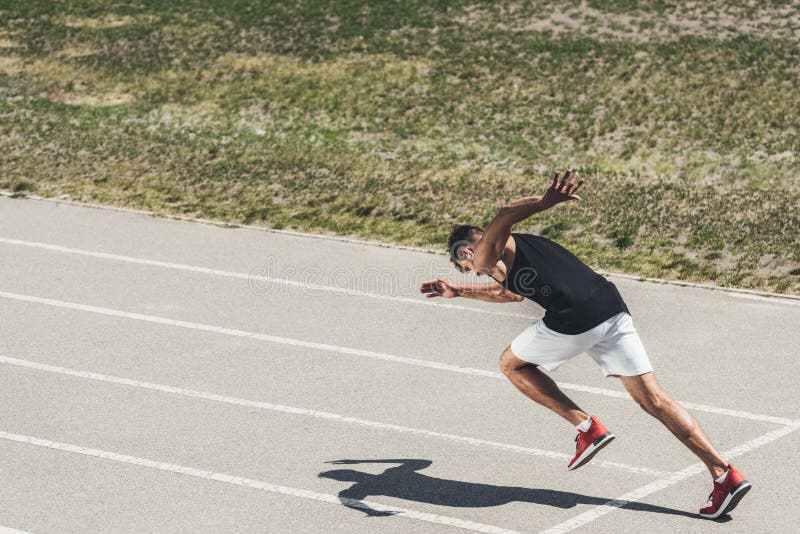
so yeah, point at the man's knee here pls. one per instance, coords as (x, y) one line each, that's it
(653, 401)
(509, 363)
(650, 402)
(647, 393)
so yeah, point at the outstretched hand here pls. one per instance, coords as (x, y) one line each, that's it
(562, 190)
(438, 288)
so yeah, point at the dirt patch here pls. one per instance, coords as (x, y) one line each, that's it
(7, 40)
(72, 52)
(50, 70)
(340, 66)
(66, 83)
(99, 23)
(11, 65)
(257, 62)
(701, 19)
(771, 265)
(93, 100)
(182, 117)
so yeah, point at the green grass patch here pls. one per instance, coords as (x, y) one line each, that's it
(394, 120)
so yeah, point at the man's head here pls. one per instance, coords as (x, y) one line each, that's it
(461, 244)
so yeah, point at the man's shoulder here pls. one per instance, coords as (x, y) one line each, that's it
(527, 236)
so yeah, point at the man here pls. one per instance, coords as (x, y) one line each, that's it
(584, 312)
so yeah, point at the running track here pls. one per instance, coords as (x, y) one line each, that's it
(160, 375)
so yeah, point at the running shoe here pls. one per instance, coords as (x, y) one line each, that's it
(726, 494)
(589, 443)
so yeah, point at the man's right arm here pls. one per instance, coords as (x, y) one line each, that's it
(492, 244)
(491, 292)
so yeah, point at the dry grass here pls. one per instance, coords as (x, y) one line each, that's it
(102, 22)
(642, 24)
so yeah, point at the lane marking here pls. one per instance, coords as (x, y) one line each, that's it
(250, 278)
(9, 530)
(688, 405)
(771, 300)
(648, 489)
(328, 416)
(351, 351)
(733, 291)
(251, 483)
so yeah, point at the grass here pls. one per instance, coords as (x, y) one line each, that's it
(395, 120)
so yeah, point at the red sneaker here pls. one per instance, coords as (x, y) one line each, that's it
(726, 494)
(589, 443)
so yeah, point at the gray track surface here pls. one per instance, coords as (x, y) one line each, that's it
(709, 347)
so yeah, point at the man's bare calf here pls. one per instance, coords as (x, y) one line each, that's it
(646, 391)
(539, 387)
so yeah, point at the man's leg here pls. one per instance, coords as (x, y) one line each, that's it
(646, 391)
(539, 387)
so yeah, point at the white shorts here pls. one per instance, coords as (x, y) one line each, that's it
(613, 344)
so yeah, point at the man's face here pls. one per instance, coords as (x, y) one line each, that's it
(464, 256)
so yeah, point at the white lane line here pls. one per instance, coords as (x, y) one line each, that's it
(771, 300)
(251, 483)
(642, 492)
(328, 416)
(688, 405)
(253, 278)
(9, 530)
(348, 350)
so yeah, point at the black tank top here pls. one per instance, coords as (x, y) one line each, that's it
(575, 298)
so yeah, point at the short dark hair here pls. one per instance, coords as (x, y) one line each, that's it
(460, 235)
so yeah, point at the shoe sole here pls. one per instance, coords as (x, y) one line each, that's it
(733, 498)
(592, 449)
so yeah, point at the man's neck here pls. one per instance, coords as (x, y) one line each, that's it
(504, 265)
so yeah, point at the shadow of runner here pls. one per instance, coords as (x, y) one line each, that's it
(405, 482)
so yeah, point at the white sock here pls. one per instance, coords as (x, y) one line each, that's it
(721, 479)
(584, 427)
